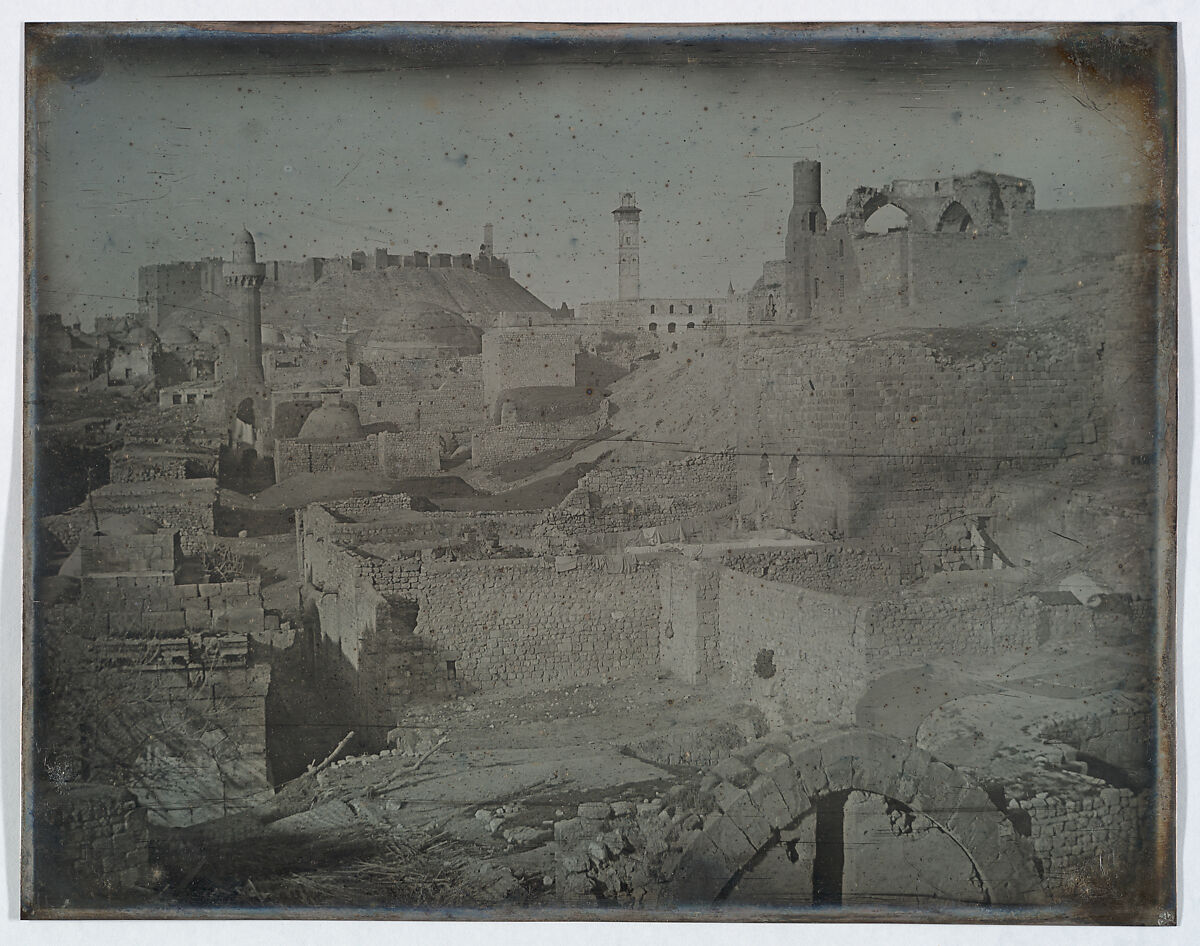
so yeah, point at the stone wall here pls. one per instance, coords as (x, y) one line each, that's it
(367, 652)
(1084, 831)
(492, 446)
(889, 437)
(526, 357)
(539, 622)
(456, 405)
(971, 616)
(151, 605)
(106, 554)
(843, 567)
(390, 454)
(795, 653)
(139, 467)
(688, 639)
(294, 457)
(369, 507)
(619, 499)
(90, 840)
(435, 528)
(409, 454)
(185, 506)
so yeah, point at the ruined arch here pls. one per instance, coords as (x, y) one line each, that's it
(954, 219)
(788, 785)
(866, 201)
(885, 218)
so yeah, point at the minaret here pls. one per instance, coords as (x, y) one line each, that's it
(243, 281)
(487, 249)
(628, 244)
(806, 221)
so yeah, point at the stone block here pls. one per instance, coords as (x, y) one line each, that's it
(735, 771)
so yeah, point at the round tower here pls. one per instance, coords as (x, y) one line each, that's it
(805, 222)
(628, 244)
(244, 277)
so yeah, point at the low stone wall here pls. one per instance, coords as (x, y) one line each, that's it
(141, 468)
(90, 839)
(185, 506)
(976, 619)
(697, 473)
(619, 499)
(538, 621)
(1087, 834)
(491, 446)
(367, 507)
(842, 567)
(434, 527)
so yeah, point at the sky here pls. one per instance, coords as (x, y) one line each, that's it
(165, 150)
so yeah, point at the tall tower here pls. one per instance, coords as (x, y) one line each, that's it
(243, 282)
(247, 402)
(628, 244)
(805, 222)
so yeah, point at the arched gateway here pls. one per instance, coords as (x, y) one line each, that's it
(795, 786)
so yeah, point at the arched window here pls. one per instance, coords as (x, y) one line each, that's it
(652, 308)
(691, 325)
(670, 327)
(654, 326)
(841, 248)
(671, 309)
(816, 289)
(710, 308)
(689, 310)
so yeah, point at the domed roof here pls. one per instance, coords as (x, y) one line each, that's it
(213, 333)
(332, 422)
(176, 333)
(140, 335)
(243, 248)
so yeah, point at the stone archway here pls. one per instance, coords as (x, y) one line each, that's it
(954, 219)
(787, 786)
